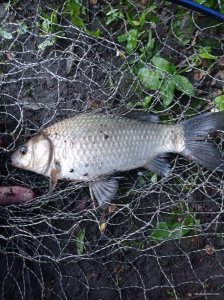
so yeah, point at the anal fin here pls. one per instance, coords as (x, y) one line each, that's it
(104, 191)
(159, 165)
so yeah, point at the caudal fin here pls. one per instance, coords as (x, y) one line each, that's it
(195, 132)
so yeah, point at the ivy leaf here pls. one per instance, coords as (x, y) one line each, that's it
(167, 92)
(183, 85)
(150, 79)
(163, 65)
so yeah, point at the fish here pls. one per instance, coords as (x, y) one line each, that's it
(94, 147)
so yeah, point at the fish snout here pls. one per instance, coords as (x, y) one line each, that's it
(15, 160)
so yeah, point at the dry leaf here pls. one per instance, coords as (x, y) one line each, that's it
(102, 227)
(209, 249)
(112, 208)
(198, 75)
(10, 55)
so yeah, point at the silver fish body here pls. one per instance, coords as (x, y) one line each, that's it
(91, 147)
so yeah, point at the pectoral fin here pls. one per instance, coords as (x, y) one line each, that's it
(159, 165)
(55, 172)
(104, 191)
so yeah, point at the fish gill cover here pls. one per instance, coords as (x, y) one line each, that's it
(161, 238)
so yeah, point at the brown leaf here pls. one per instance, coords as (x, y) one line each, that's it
(10, 55)
(209, 249)
(198, 75)
(112, 208)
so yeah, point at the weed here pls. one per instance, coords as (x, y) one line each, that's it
(5, 34)
(48, 27)
(179, 223)
(80, 241)
(219, 102)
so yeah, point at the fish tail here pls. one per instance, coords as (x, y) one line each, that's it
(196, 148)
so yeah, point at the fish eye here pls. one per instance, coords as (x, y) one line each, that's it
(23, 150)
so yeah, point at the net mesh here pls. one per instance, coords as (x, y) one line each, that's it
(162, 238)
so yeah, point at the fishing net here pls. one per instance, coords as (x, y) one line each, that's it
(162, 238)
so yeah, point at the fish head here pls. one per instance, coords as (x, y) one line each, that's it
(35, 155)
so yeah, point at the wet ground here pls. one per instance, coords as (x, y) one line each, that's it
(38, 240)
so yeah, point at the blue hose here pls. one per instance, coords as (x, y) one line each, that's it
(200, 8)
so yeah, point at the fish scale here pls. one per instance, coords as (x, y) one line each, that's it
(93, 146)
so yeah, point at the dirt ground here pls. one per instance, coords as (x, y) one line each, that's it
(38, 248)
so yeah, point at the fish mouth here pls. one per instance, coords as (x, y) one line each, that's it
(14, 161)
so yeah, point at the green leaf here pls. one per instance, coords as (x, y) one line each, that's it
(114, 15)
(74, 7)
(183, 37)
(183, 85)
(163, 65)
(142, 18)
(133, 23)
(208, 56)
(150, 79)
(173, 228)
(144, 104)
(80, 241)
(50, 41)
(167, 92)
(151, 41)
(219, 102)
(5, 34)
(122, 38)
(23, 28)
(161, 232)
(205, 53)
(132, 40)
(141, 180)
(75, 10)
(154, 178)
(97, 33)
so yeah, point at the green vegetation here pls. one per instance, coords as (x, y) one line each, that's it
(211, 3)
(219, 102)
(5, 34)
(161, 75)
(147, 176)
(48, 27)
(80, 241)
(164, 78)
(179, 223)
(77, 13)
